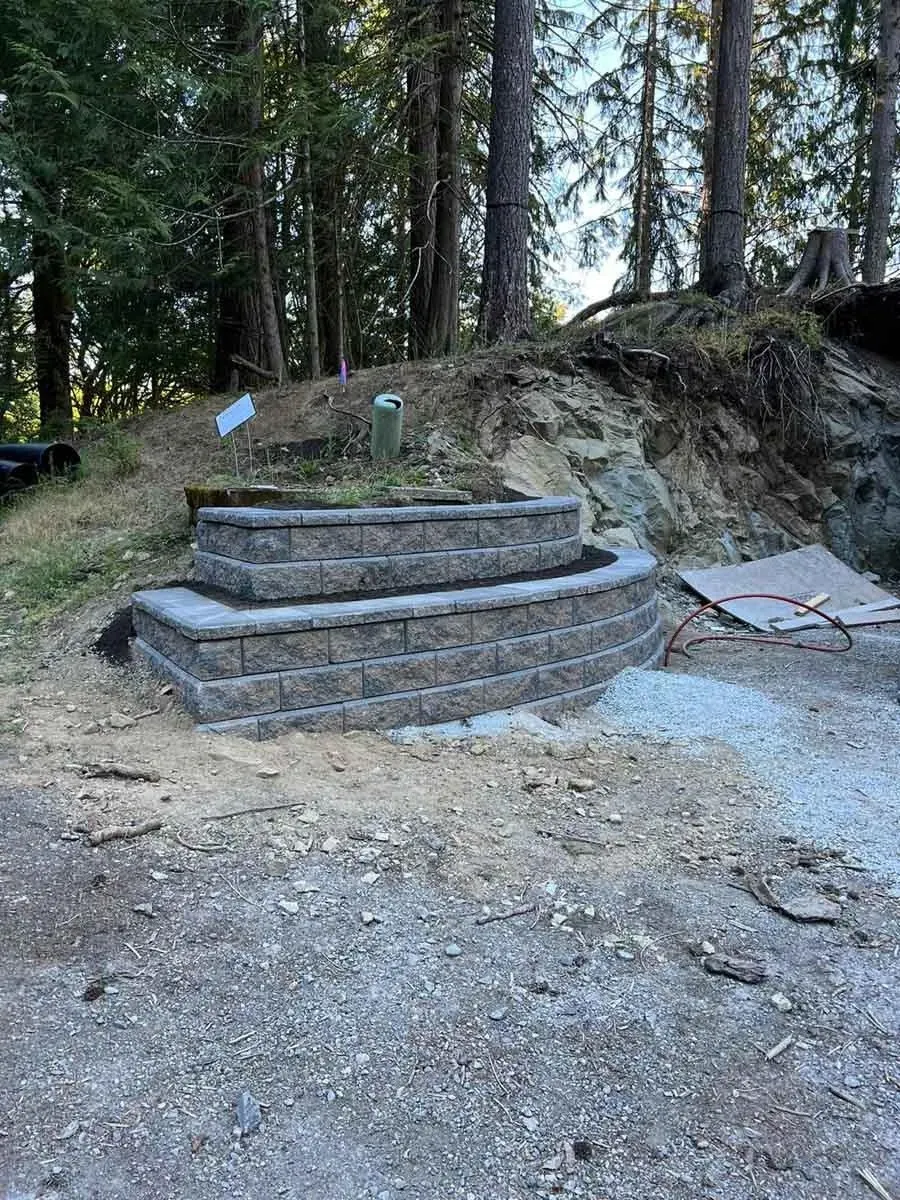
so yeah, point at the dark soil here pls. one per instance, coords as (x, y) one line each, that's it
(114, 642)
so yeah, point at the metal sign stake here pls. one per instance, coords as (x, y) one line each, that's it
(232, 418)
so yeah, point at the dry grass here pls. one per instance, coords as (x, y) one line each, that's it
(124, 521)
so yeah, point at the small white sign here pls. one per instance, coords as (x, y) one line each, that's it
(235, 415)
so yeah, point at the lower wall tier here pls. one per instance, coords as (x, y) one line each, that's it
(442, 657)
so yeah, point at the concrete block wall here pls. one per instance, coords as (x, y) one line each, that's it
(413, 659)
(276, 554)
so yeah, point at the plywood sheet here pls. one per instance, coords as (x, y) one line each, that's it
(799, 575)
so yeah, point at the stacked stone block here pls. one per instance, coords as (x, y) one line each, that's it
(276, 554)
(262, 669)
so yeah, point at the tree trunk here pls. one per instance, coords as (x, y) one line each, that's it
(247, 324)
(854, 207)
(255, 177)
(238, 323)
(422, 113)
(505, 312)
(341, 303)
(52, 312)
(643, 201)
(712, 78)
(327, 199)
(827, 254)
(264, 284)
(314, 362)
(7, 352)
(725, 275)
(309, 247)
(884, 144)
(443, 303)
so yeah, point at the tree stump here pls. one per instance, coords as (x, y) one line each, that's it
(827, 256)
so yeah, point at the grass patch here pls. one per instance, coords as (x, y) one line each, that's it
(51, 574)
(736, 339)
(63, 543)
(361, 479)
(115, 455)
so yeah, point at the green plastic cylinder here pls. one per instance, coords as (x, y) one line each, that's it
(387, 426)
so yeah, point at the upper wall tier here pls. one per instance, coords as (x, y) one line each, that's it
(280, 554)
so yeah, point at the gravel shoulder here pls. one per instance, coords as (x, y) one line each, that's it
(333, 956)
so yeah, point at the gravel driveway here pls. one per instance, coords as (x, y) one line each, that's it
(463, 967)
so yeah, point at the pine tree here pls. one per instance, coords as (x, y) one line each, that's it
(505, 312)
(724, 273)
(883, 151)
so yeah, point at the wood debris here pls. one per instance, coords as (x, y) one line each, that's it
(256, 808)
(867, 1175)
(814, 602)
(743, 969)
(114, 770)
(780, 1048)
(504, 916)
(806, 907)
(202, 847)
(115, 832)
(845, 1096)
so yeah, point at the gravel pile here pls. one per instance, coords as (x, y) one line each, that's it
(837, 784)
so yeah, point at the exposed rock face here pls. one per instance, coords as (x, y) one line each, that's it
(861, 397)
(689, 477)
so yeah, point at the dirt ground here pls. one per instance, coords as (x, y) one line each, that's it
(470, 968)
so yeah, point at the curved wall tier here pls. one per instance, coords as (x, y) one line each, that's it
(280, 554)
(545, 645)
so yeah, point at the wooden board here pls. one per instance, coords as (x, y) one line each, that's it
(883, 612)
(798, 575)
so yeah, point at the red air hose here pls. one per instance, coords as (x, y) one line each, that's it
(751, 637)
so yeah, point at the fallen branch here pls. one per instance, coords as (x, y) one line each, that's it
(114, 832)
(868, 1177)
(780, 1048)
(210, 848)
(113, 770)
(257, 808)
(845, 1096)
(504, 916)
(616, 301)
(645, 353)
(237, 891)
(254, 367)
(345, 412)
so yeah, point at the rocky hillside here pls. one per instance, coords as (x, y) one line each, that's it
(679, 454)
(705, 445)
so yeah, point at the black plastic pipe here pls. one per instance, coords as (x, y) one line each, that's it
(16, 475)
(49, 458)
